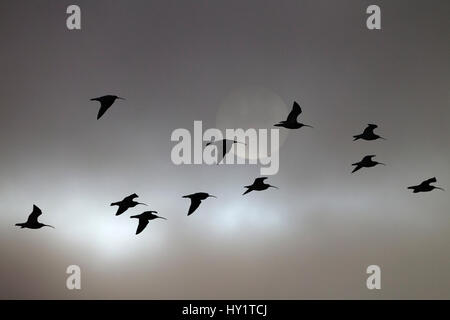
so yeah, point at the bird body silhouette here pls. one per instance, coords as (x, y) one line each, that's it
(258, 185)
(223, 147)
(366, 162)
(105, 103)
(425, 186)
(196, 199)
(144, 218)
(368, 134)
(126, 203)
(32, 222)
(291, 121)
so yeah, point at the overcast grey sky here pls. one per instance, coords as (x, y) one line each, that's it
(180, 61)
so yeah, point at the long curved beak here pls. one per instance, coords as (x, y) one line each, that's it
(211, 196)
(381, 163)
(47, 225)
(143, 203)
(383, 138)
(440, 188)
(307, 125)
(162, 218)
(121, 98)
(274, 187)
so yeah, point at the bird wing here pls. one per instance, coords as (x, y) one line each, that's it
(33, 217)
(121, 209)
(131, 197)
(195, 203)
(226, 147)
(358, 166)
(259, 180)
(432, 180)
(369, 129)
(104, 107)
(142, 224)
(295, 112)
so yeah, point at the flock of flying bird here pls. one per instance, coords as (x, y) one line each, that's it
(258, 185)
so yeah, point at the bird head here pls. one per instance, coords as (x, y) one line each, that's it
(235, 141)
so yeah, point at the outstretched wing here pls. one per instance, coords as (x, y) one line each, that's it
(105, 106)
(195, 203)
(122, 208)
(223, 147)
(33, 217)
(142, 224)
(295, 112)
(358, 167)
(369, 129)
(432, 180)
(131, 197)
(259, 180)
(367, 158)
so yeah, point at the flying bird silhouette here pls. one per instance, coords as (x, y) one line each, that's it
(32, 222)
(126, 203)
(144, 218)
(368, 134)
(366, 162)
(258, 185)
(196, 199)
(105, 103)
(425, 186)
(223, 147)
(291, 121)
